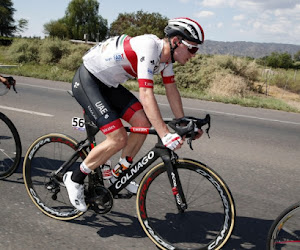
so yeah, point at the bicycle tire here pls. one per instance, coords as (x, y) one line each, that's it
(285, 230)
(43, 157)
(209, 219)
(10, 147)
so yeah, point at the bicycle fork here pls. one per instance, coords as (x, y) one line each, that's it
(180, 200)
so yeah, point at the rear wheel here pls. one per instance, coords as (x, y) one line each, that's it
(208, 221)
(43, 158)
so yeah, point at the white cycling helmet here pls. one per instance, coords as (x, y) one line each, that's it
(185, 27)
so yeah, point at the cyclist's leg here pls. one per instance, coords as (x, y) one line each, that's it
(135, 141)
(130, 109)
(98, 100)
(94, 96)
(113, 143)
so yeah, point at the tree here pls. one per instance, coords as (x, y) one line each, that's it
(297, 56)
(7, 21)
(285, 60)
(278, 60)
(139, 23)
(81, 18)
(7, 26)
(57, 29)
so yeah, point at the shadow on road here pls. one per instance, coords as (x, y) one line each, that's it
(17, 172)
(249, 233)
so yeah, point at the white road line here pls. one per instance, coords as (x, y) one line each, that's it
(205, 110)
(42, 87)
(232, 114)
(26, 111)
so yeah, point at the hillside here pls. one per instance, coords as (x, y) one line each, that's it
(255, 50)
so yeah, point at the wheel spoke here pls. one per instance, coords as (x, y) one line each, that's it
(40, 163)
(10, 147)
(200, 224)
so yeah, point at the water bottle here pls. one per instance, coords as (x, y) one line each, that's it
(122, 165)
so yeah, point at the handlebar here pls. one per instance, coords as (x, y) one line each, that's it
(188, 126)
(12, 82)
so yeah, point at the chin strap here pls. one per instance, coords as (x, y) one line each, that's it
(172, 49)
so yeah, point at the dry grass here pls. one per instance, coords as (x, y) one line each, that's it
(228, 86)
(290, 98)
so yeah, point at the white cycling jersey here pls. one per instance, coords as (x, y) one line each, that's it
(120, 58)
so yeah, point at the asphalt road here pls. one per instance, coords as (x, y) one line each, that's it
(256, 151)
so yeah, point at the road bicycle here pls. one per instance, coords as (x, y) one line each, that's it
(10, 143)
(285, 230)
(181, 203)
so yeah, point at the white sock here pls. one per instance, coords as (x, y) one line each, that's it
(84, 169)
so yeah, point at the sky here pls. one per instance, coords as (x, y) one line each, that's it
(263, 21)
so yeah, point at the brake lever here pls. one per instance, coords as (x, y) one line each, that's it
(14, 88)
(189, 141)
(207, 132)
(12, 82)
(207, 118)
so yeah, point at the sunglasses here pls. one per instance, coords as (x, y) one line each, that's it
(191, 48)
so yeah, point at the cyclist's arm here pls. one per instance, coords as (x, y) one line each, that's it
(174, 99)
(152, 111)
(4, 81)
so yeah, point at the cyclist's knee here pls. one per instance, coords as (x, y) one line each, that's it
(118, 139)
(139, 119)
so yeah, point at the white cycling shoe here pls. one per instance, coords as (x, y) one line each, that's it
(75, 192)
(132, 187)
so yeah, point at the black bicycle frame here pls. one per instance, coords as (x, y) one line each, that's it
(168, 157)
(158, 151)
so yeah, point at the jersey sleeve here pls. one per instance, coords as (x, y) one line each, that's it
(147, 52)
(168, 74)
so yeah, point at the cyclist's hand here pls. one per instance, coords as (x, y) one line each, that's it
(199, 133)
(5, 82)
(172, 141)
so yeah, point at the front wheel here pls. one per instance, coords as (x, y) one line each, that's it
(10, 147)
(208, 221)
(285, 230)
(43, 158)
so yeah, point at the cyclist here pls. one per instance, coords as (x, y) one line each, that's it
(97, 87)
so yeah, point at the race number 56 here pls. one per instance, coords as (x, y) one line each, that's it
(78, 123)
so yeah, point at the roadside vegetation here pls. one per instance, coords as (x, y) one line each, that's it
(222, 78)
(269, 82)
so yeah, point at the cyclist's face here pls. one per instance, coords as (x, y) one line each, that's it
(183, 53)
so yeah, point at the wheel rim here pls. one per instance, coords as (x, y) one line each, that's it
(195, 230)
(44, 157)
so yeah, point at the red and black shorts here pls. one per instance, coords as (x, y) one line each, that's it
(104, 105)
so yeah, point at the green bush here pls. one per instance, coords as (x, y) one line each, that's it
(52, 50)
(6, 41)
(239, 66)
(73, 59)
(49, 51)
(24, 50)
(277, 60)
(189, 76)
(201, 71)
